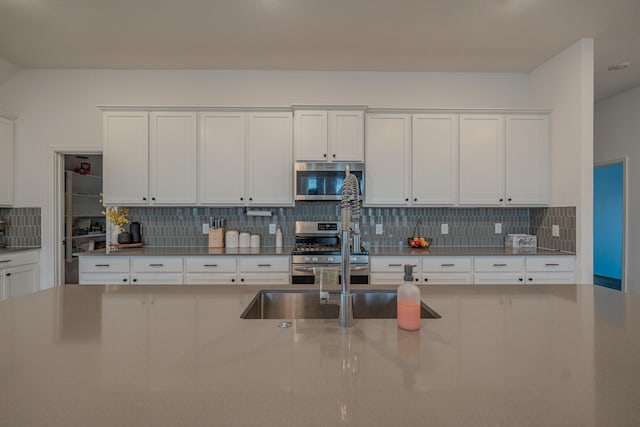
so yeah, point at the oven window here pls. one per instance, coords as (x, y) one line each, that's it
(322, 183)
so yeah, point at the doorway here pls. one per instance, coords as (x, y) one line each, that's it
(609, 216)
(78, 219)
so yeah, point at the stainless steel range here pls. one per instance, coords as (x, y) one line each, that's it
(318, 245)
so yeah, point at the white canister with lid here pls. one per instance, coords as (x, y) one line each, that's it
(255, 240)
(231, 239)
(245, 240)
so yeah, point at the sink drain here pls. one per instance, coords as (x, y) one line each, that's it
(284, 325)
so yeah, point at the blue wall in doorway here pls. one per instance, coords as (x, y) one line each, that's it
(607, 220)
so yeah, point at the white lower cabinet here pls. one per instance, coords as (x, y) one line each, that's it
(479, 270)
(264, 270)
(389, 270)
(191, 270)
(19, 274)
(447, 271)
(210, 270)
(552, 270)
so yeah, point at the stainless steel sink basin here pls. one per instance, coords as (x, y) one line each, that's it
(305, 304)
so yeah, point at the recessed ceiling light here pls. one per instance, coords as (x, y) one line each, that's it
(620, 66)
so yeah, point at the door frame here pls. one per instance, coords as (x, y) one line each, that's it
(625, 213)
(58, 203)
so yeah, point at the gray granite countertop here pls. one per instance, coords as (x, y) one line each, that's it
(181, 355)
(384, 251)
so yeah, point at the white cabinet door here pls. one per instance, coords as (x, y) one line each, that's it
(527, 159)
(6, 161)
(21, 280)
(481, 160)
(270, 159)
(222, 158)
(311, 135)
(346, 136)
(387, 153)
(157, 278)
(126, 154)
(434, 146)
(173, 157)
(329, 135)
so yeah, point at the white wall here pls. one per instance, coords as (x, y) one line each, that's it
(617, 135)
(57, 108)
(565, 84)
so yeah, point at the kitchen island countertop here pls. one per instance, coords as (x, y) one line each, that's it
(181, 355)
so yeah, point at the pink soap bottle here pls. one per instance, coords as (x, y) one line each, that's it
(408, 302)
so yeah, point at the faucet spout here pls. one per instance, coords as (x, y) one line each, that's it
(349, 211)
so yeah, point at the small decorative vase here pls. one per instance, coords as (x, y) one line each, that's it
(115, 231)
(124, 238)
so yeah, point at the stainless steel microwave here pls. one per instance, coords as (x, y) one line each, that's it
(323, 181)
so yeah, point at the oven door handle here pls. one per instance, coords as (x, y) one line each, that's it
(310, 269)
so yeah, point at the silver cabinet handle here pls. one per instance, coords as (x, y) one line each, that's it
(447, 265)
(103, 265)
(552, 265)
(499, 265)
(395, 265)
(156, 265)
(210, 265)
(264, 265)
(5, 260)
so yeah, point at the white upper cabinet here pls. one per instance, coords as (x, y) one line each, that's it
(482, 159)
(173, 157)
(270, 159)
(222, 158)
(387, 158)
(504, 159)
(126, 157)
(527, 159)
(434, 167)
(150, 158)
(6, 161)
(329, 135)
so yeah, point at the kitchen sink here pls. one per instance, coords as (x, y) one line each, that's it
(305, 304)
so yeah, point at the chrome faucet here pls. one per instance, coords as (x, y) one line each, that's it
(349, 211)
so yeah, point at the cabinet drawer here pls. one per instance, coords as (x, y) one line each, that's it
(156, 264)
(391, 279)
(104, 264)
(553, 263)
(447, 279)
(445, 265)
(210, 278)
(210, 264)
(104, 278)
(393, 264)
(157, 279)
(551, 278)
(499, 264)
(264, 279)
(19, 258)
(259, 264)
(498, 279)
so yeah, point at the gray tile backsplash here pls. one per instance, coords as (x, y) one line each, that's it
(467, 226)
(23, 226)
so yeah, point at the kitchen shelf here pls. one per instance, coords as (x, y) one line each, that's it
(84, 236)
(82, 197)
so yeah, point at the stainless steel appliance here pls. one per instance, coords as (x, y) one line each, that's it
(323, 181)
(318, 245)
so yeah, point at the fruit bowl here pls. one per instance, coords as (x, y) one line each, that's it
(419, 242)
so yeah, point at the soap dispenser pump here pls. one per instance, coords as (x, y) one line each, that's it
(408, 302)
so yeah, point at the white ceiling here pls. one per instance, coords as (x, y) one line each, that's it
(377, 35)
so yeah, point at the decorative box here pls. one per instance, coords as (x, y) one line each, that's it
(521, 241)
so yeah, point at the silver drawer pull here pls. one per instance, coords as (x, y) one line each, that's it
(5, 260)
(264, 265)
(210, 265)
(103, 265)
(395, 265)
(156, 265)
(447, 265)
(552, 265)
(499, 265)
